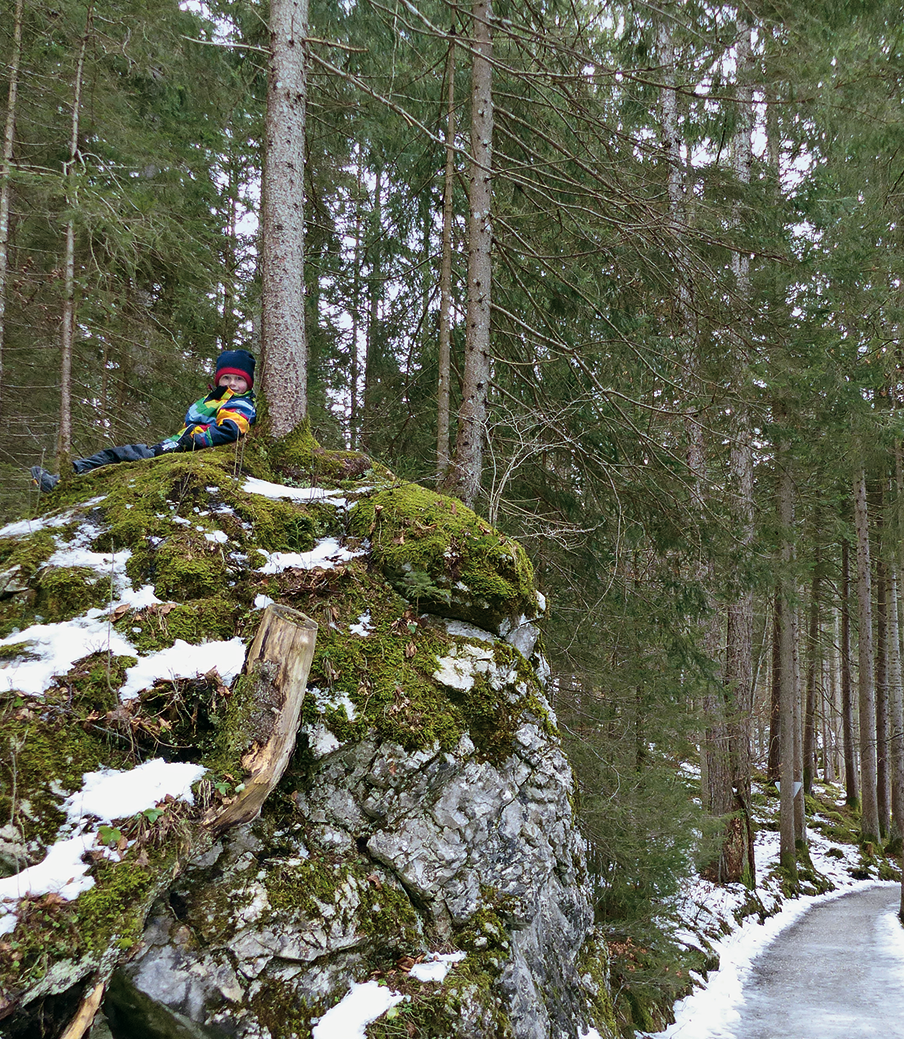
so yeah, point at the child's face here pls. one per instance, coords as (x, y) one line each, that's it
(234, 382)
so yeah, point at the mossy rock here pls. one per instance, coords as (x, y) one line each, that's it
(187, 566)
(64, 592)
(28, 553)
(299, 459)
(389, 677)
(443, 558)
(94, 681)
(43, 759)
(156, 627)
(278, 526)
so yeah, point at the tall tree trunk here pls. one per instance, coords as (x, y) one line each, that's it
(464, 472)
(445, 277)
(787, 842)
(832, 706)
(739, 636)
(800, 818)
(354, 419)
(372, 361)
(284, 334)
(896, 678)
(895, 713)
(883, 786)
(851, 777)
(869, 814)
(67, 325)
(814, 670)
(773, 766)
(6, 164)
(716, 773)
(230, 258)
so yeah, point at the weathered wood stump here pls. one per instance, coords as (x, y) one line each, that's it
(274, 680)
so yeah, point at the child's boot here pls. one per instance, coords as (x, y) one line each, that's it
(46, 481)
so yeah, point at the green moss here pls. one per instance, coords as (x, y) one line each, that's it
(593, 967)
(113, 911)
(281, 1010)
(40, 762)
(441, 556)
(238, 726)
(298, 458)
(388, 917)
(293, 454)
(188, 566)
(95, 680)
(65, 592)
(109, 916)
(888, 872)
(467, 993)
(199, 620)
(24, 556)
(19, 651)
(305, 887)
(279, 525)
(28, 552)
(389, 678)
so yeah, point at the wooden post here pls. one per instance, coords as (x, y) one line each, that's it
(275, 676)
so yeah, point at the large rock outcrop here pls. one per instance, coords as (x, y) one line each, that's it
(426, 811)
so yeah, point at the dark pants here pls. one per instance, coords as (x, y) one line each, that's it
(111, 455)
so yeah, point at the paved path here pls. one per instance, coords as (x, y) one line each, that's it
(837, 973)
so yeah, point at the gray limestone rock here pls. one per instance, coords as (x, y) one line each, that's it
(388, 854)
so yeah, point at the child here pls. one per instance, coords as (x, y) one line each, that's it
(225, 414)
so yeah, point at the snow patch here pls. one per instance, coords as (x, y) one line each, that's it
(253, 485)
(327, 554)
(182, 660)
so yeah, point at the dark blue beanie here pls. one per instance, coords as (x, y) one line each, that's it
(236, 362)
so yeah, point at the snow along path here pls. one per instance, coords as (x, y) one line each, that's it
(826, 967)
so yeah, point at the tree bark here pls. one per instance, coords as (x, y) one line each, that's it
(354, 418)
(6, 163)
(445, 278)
(464, 472)
(800, 818)
(895, 712)
(773, 766)
(851, 777)
(787, 841)
(284, 334)
(372, 362)
(67, 324)
(869, 813)
(814, 667)
(883, 783)
(739, 635)
(275, 678)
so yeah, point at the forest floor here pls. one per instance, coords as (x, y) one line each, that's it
(708, 939)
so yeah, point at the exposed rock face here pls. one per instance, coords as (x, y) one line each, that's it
(467, 852)
(427, 809)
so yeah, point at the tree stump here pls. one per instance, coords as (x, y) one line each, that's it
(275, 677)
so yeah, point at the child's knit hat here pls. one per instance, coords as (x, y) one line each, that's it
(236, 362)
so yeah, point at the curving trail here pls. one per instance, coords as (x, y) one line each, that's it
(837, 973)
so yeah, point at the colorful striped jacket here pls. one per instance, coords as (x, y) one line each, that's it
(219, 418)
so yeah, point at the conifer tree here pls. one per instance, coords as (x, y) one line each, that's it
(282, 224)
